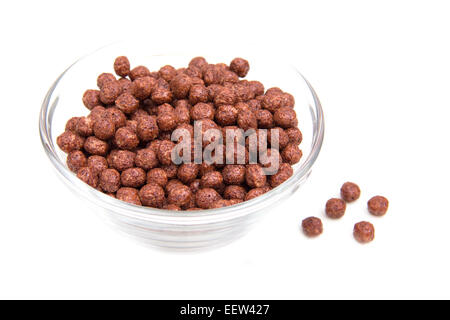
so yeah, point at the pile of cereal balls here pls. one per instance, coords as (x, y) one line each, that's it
(363, 231)
(123, 146)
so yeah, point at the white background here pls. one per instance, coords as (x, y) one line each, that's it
(382, 72)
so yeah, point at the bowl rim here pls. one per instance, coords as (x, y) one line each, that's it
(168, 216)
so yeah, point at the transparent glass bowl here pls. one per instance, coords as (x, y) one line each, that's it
(164, 228)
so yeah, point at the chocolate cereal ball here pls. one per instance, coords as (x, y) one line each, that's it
(284, 172)
(110, 91)
(147, 128)
(180, 195)
(234, 174)
(240, 66)
(205, 198)
(139, 72)
(152, 195)
(162, 95)
(171, 170)
(255, 192)
(104, 78)
(165, 152)
(285, 117)
(226, 115)
(224, 95)
(76, 160)
(247, 120)
(312, 226)
(291, 154)
(272, 102)
(378, 206)
(364, 232)
(142, 88)
(121, 159)
(198, 93)
(212, 179)
(234, 192)
(86, 175)
(254, 176)
(157, 176)
(84, 127)
(71, 124)
(350, 191)
(130, 195)
(180, 86)
(122, 66)
(198, 62)
(295, 135)
(335, 208)
(188, 172)
(167, 73)
(202, 111)
(133, 177)
(183, 114)
(97, 163)
(95, 146)
(125, 138)
(118, 117)
(279, 136)
(264, 118)
(109, 180)
(167, 121)
(146, 159)
(69, 141)
(104, 127)
(91, 99)
(127, 103)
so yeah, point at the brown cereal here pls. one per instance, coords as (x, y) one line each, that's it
(71, 124)
(75, 160)
(167, 73)
(109, 180)
(291, 154)
(126, 138)
(205, 198)
(165, 152)
(180, 86)
(279, 136)
(364, 232)
(285, 117)
(96, 113)
(295, 135)
(84, 126)
(378, 206)
(147, 128)
(97, 163)
(234, 174)
(161, 95)
(182, 113)
(264, 118)
(173, 184)
(172, 207)
(257, 87)
(224, 95)
(146, 159)
(91, 99)
(104, 127)
(194, 186)
(242, 92)
(198, 62)
(110, 91)
(118, 117)
(240, 66)
(180, 195)
(272, 102)
(86, 175)
(157, 176)
(130, 195)
(96, 146)
(171, 170)
(127, 103)
(350, 191)
(133, 177)
(198, 93)
(104, 78)
(254, 176)
(211, 179)
(121, 159)
(202, 111)
(312, 226)
(122, 66)
(69, 141)
(284, 172)
(226, 115)
(167, 121)
(152, 195)
(247, 120)
(188, 172)
(253, 193)
(142, 88)
(139, 72)
(234, 192)
(335, 208)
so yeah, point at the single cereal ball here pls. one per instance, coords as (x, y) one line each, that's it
(264, 118)
(198, 62)
(95, 146)
(212, 179)
(84, 127)
(69, 141)
(152, 195)
(285, 117)
(167, 121)
(110, 91)
(378, 206)
(254, 105)
(126, 139)
(157, 176)
(162, 95)
(284, 172)
(229, 76)
(254, 176)
(295, 135)
(146, 159)
(188, 172)
(121, 159)
(277, 135)
(183, 114)
(164, 108)
(364, 232)
(127, 103)
(335, 208)
(96, 113)
(234, 174)
(109, 180)
(242, 92)
(247, 120)
(198, 93)
(253, 193)
(194, 186)
(234, 192)
(71, 124)
(204, 198)
(122, 66)
(274, 90)
(139, 72)
(257, 87)
(76, 160)
(125, 84)
(130, 195)
(173, 183)
(240, 66)
(272, 102)
(97, 163)
(86, 175)
(91, 99)
(202, 111)
(119, 118)
(167, 73)
(350, 191)
(180, 195)
(226, 115)
(171, 170)
(105, 78)
(180, 86)
(142, 88)
(291, 154)
(312, 226)
(104, 127)
(211, 75)
(224, 95)
(165, 152)
(147, 128)
(133, 177)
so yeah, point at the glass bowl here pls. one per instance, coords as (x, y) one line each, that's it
(164, 228)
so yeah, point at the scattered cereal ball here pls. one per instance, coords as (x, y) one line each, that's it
(121, 159)
(142, 88)
(167, 121)
(96, 113)
(234, 192)
(254, 176)
(84, 127)
(157, 176)
(104, 127)
(350, 191)
(264, 118)
(86, 175)
(364, 232)
(378, 205)
(234, 174)
(122, 66)
(95, 146)
(147, 128)
(295, 135)
(133, 177)
(204, 198)
(229, 76)
(109, 180)
(272, 102)
(91, 99)
(247, 120)
(152, 195)
(180, 195)
(75, 160)
(162, 95)
(253, 193)
(291, 154)
(130, 195)
(97, 163)
(285, 117)
(69, 141)
(71, 124)
(198, 93)
(171, 170)
(224, 95)
(202, 111)
(126, 139)
(257, 87)
(226, 115)
(188, 172)
(110, 91)
(198, 62)
(139, 72)
(165, 152)
(105, 78)
(167, 73)
(146, 159)
(312, 226)
(278, 135)
(240, 66)
(118, 117)
(335, 208)
(212, 179)
(242, 92)
(180, 86)
(284, 172)
(127, 103)
(211, 75)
